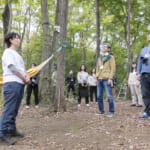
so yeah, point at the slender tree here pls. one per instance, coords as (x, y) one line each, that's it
(128, 42)
(55, 33)
(24, 27)
(45, 73)
(98, 30)
(62, 22)
(7, 19)
(83, 49)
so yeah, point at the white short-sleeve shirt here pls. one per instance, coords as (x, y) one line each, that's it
(11, 56)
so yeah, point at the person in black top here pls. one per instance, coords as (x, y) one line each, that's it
(70, 81)
(33, 85)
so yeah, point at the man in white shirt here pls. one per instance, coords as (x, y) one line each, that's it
(14, 80)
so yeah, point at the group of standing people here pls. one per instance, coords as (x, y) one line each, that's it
(84, 81)
(99, 79)
(15, 78)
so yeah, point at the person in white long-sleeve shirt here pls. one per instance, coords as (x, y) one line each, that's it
(135, 87)
(93, 85)
(82, 77)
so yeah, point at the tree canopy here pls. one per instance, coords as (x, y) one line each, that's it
(81, 31)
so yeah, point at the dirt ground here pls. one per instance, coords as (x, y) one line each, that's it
(81, 129)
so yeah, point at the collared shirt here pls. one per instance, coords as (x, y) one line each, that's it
(12, 57)
(142, 67)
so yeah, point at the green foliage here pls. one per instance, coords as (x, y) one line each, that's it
(81, 32)
(32, 50)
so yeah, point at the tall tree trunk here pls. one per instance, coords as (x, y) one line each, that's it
(54, 42)
(55, 33)
(24, 29)
(70, 55)
(7, 19)
(62, 21)
(83, 55)
(45, 73)
(128, 44)
(98, 30)
(70, 44)
(28, 38)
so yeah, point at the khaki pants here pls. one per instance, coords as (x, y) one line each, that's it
(136, 94)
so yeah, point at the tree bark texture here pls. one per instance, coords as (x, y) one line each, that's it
(62, 13)
(128, 44)
(7, 19)
(45, 72)
(98, 31)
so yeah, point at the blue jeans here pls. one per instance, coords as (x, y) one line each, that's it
(145, 85)
(13, 94)
(103, 84)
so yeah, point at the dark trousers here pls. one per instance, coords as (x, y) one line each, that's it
(86, 100)
(13, 94)
(93, 90)
(83, 92)
(73, 90)
(30, 87)
(145, 85)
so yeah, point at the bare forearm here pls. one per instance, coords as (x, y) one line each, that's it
(20, 76)
(25, 79)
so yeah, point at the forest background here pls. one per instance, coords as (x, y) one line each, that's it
(86, 24)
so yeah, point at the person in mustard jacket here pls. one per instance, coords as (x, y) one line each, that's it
(104, 73)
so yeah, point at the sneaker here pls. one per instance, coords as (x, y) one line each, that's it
(96, 102)
(87, 105)
(110, 115)
(144, 116)
(139, 105)
(6, 141)
(99, 114)
(13, 133)
(36, 106)
(79, 105)
(27, 106)
(91, 103)
(133, 105)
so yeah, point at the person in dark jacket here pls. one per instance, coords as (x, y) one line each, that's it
(33, 85)
(70, 81)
